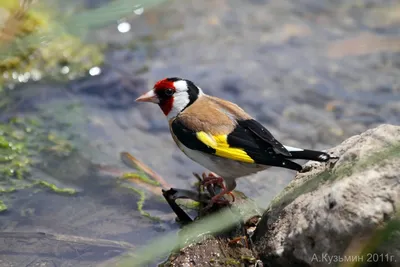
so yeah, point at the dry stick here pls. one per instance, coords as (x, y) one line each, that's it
(133, 162)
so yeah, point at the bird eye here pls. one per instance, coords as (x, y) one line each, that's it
(169, 92)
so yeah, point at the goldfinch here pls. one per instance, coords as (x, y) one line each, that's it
(220, 135)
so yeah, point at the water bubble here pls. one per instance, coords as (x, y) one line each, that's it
(65, 70)
(22, 78)
(138, 10)
(124, 27)
(27, 76)
(36, 75)
(95, 71)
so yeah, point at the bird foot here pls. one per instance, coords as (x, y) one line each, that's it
(214, 179)
(217, 199)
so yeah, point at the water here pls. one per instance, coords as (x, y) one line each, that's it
(297, 66)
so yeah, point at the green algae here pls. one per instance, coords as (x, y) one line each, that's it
(140, 202)
(141, 176)
(59, 145)
(189, 204)
(248, 259)
(48, 135)
(3, 206)
(141, 193)
(34, 46)
(38, 43)
(231, 261)
(56, 189)
(14, 156)
(23, 140)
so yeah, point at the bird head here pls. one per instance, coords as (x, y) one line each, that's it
(173, 95)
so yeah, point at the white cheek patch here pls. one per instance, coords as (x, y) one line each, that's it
(181, 86)
(181, 100)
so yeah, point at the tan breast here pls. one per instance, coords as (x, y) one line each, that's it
(212, 115)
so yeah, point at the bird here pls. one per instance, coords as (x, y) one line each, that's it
(221, 136)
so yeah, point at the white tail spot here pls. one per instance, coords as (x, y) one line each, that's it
(293, 149)
(323, 157)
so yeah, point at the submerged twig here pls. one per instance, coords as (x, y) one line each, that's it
(133, 162)
(68, 238)
(180, 213)
(115, 172)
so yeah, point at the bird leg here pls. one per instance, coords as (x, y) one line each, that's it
(213, 179)
(217, 180)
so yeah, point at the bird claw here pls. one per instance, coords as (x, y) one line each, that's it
(213, 179)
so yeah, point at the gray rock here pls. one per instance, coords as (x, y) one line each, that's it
(334, 209)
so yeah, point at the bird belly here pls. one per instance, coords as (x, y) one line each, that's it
(226, 168)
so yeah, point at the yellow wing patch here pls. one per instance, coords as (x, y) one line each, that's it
(222, 149)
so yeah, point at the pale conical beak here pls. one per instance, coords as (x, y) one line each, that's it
(150, 96)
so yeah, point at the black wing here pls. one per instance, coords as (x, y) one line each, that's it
(260, 145)
(188, 137)
(261, 132)
(251, 137)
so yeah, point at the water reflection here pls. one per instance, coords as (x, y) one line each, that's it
(124, 27)
(95, 71)
(65, 70)
(138, 10)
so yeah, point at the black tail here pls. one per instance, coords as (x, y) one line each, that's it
(297, 153)
(311, 155)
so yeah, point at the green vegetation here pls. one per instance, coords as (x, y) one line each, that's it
(54, 188)
(189, 204)
(3, 207)
(140, 202)
(14, 159)
(141, 176)
(140, 192)
(39, 42)
(34, 46)
(22, 141)
(44, 42)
